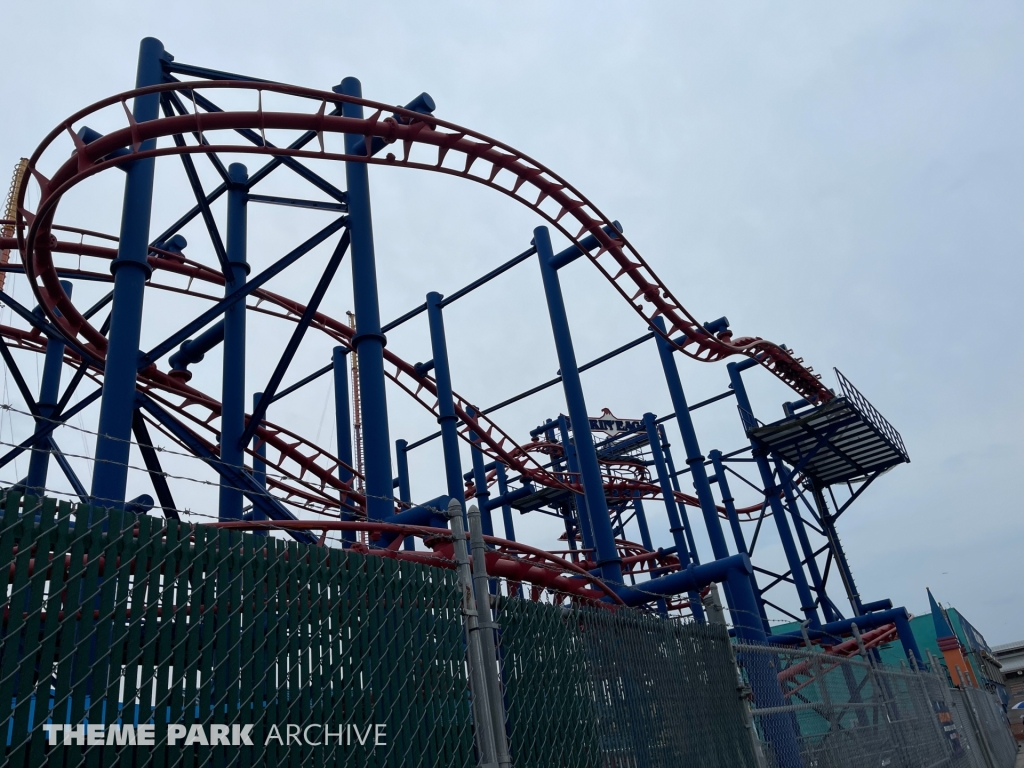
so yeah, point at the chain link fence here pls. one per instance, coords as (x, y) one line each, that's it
(846, 712)
(127, 620)
(588, 687)
(152, 642)
(990, 732)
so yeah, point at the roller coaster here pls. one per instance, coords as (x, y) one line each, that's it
(597, 475)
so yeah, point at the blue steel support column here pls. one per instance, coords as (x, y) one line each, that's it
(737, 533)
(259, 468)
(131, 270)
(49, 395)
(402, 465)
(481, 493)
(445, 403)
(699, 475)
(506, 513)
(572, 465)
(404, 493)
(772, 494)
(368, 341)
(645, 539)
(684, 516)
(641, 521)
(343, 428)
(593, 486)
(675, 524)
(573, 528)
(694, 458)
(828, 524)
(805, 544)
(728, 501)
(232, 414)
(506, 509)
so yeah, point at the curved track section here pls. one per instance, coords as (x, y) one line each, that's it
(296, 456)
(307, 475)
(500, 167)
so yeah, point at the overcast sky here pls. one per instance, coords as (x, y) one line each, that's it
(843, 180)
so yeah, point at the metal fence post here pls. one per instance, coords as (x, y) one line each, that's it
(975, 718)
(881, 703)
(474, 655)
(488, 628)
(933, 715)
(746, 695)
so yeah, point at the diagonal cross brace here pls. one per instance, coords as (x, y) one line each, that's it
(48, 328)
(12, 366)
(255, 178)
(69, 473)
(294, 165)
(156, 472)
(233, 298)
(45, 428)
(236, 476)
(293, 343)
(200, 195)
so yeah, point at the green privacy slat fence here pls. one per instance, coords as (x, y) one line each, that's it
(129, 620)
(601, 689)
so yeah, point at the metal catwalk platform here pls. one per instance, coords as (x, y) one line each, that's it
(842, 440)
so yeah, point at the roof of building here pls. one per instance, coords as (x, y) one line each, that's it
(1017, 645)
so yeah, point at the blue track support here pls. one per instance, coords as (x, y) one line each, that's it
(130, 270)
(292, 347)
(430, 513)
(834, 630)
(259, 468)
(481, 493)
(368, 341)
(773, 495)
(573, 467)
(828, 525)
(674, 521)
(49, 396)
(506, 509)
(728, 501)
(734, 522)
(404, 492)
(684, 516)
(645, 539)
(660, 469)
(907, 640)
(641, 521)
(260, 499)
(694, 458)
(257, 282)
(446, 418)
(699, 475)
(343, 424)
(593, 487)
(827, 610)
(402, 464)
(194, 350)
(763, 676)
(232, 415)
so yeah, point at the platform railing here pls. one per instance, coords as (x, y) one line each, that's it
(871, 414)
